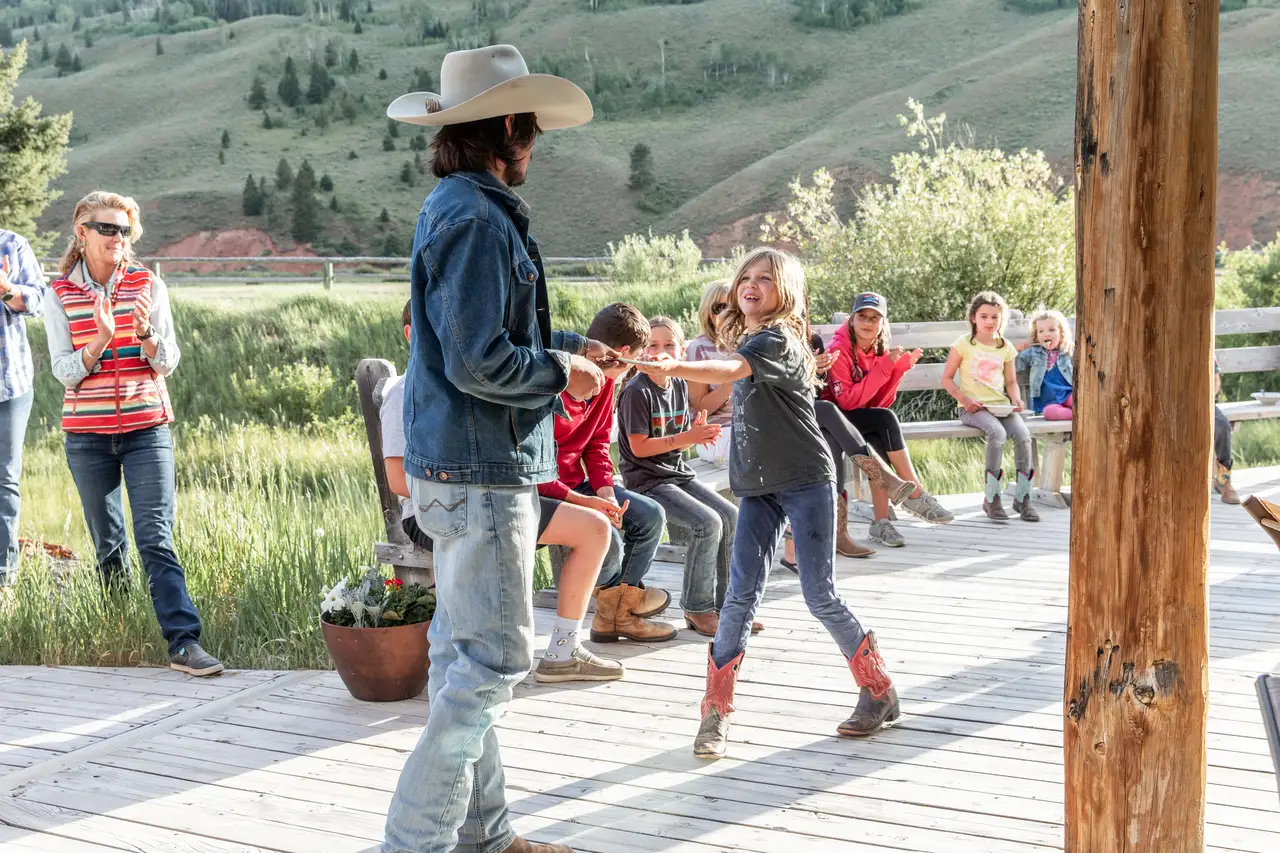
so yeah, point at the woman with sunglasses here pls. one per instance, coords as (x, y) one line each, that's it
(111, 342)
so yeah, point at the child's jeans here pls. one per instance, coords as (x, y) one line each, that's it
(710, 520)
(760, 521)
(1000, 430)
(1056, 412)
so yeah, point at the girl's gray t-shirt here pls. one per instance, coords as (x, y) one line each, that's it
(777, 444)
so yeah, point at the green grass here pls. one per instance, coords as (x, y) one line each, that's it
(151, 125)
(275, 501)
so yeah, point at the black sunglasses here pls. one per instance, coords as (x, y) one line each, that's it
(109, 229)
(719, 308)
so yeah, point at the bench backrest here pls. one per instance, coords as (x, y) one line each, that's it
(372, 374)
(927, 336)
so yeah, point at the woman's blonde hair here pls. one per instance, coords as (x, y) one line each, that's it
(662, 322)
(988, 297)
(1068, 343)
(790, 316)
(715, 292)
(85, 210)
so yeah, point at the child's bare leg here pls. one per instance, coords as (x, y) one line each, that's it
(879, 502)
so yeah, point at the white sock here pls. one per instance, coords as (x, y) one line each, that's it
(564, 640)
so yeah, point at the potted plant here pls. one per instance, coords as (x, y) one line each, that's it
(376, 632)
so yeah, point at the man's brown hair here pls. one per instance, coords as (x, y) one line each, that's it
(620, 325)
(406, 316)
(474, 145)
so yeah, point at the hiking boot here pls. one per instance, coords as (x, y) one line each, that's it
(581, 666)
(653, 602)
(991, 504)
(717, 705)
(882, 475)
(1022, 497)
(886, 534)
(1222, 484)
(522, 846)
(877, 698)
(845, 544)
(616, 619)
(927, 507)
(194, 660)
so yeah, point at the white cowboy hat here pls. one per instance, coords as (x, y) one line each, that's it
(489, 82)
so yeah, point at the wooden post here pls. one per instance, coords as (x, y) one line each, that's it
(1137, 638)
(328, 275)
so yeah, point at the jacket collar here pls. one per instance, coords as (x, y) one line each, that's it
(517, 207)
(79, 276)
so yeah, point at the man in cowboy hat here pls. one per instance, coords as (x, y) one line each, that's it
(485, 374)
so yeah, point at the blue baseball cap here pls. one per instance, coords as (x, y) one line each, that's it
(874, 301)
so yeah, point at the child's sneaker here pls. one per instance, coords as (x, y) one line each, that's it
(927, 507)
(886, 534)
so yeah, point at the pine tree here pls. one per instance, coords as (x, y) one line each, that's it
(257, 94)
(359, 30)
(6, 35)
(333, 204)
(253, 201)
(350, 108)
(319, 86)
(382, 74)
(34, 154)
(75, 27)
(418, 165)
(642, 177)
(388, 144)
(306, 210)
(226, 139)
(290, 90)
(159, 46)
(406, 174)
(326, 183)
(418, 142)
(76, 65)
(88, 39)
(331, 55)
(393, 128)
(351, 155)
(384, 217)
(266, 120)
(322, 120)
(45, 55)
(422, 80)
(35, 34)
(353, 61)
(393, 247)
(284, 175)
(63, 60)
(222, 156)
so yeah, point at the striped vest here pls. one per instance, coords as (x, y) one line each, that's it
(124, 394)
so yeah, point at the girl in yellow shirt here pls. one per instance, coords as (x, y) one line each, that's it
(980, 375)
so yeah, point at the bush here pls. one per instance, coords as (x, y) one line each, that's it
(952, 221)
(664, 259)
(1250, 279)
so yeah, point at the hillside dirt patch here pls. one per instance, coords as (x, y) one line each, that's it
(234, 243)
(1248, 210)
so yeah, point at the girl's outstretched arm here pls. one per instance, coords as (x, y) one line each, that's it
(712, 372)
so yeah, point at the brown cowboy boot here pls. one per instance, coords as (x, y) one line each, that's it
(704, 623)
(882, 475)
(653, 602)
(846, 546)
(717, 705)
(1222, 484)
(877, 699)
(522, 846)
(616, 618)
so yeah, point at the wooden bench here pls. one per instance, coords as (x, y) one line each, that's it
(410, 563)
(1053, 435)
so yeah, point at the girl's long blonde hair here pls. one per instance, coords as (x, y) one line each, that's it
(1068, 343)
(85, 210)
(988, 297)
(716, 291)
(789, 316)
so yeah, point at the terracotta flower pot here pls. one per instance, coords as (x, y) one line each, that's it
(380, 664)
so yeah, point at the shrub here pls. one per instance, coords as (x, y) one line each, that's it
(665, 259)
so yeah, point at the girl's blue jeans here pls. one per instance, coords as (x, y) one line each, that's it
(760, 524)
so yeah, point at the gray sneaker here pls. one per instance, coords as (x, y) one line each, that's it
(927, 507)
(886, 534)
(583, 666)
(194, 660)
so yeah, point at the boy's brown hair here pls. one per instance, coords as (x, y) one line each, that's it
(620, 325)
(406, 316)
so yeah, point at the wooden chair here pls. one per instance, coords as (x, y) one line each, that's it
(411, 563)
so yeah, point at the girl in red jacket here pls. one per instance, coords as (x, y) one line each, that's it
(863, 382)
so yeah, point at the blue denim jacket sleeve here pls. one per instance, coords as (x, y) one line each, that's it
(470, 282)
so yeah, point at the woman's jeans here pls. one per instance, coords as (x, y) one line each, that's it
(710, 520)
(813, 524)
(14, 414)
(998, 431)
(141, 461)
(451, 793)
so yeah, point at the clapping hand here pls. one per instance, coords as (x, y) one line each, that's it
(823, 360)
(142, 314)
(702, 432)
(104, 318)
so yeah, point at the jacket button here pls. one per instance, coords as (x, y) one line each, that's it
(443, 476)
(426, 472)
(532, 276)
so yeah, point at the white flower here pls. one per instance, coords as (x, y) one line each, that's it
(335, 598)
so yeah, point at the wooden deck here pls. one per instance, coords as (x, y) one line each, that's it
(972, 621)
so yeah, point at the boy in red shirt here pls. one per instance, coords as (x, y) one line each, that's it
(586, 478)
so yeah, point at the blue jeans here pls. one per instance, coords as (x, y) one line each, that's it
(145, 459)
(451, 793)
(13, 429)
(710, 520)
(632, 549)
(760, 523)
(1221, 438)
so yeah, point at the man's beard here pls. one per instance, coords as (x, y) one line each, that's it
(514, 175)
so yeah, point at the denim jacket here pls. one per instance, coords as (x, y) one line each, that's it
(1035, 360)
(485, 370)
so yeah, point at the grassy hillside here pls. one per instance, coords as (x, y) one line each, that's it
(724, 146)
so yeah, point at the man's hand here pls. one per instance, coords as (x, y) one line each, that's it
(702, 432)
(600, 353)
(585, 378)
